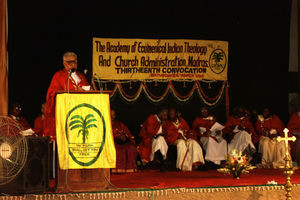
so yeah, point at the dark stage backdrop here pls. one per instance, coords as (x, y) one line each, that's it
(257, 31)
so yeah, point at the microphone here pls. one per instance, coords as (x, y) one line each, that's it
(69, 74)
(85, 71)
(71, 71)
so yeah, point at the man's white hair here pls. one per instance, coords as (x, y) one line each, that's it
(69, 53)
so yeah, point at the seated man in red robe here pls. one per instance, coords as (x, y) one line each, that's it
(64, 80)
(294, 128)
(125, 146)
(39, 122)
(210, 133)
(15, 113)
(240, 133)
(189, 152)
(269, 126)
(152, 134)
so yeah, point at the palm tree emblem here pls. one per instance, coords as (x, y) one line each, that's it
(84, 124)
(217, 57)
(217, 61)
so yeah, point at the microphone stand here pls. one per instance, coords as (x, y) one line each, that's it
(100, 88)
(68, 84)
(91, 82)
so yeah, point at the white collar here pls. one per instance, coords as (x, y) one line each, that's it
(176, 123)
(209, 118)
(268, 118)
(157, 118)
(14, 117)
(75, 77)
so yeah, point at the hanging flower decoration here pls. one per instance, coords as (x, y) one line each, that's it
(237, 164)
(169, 88)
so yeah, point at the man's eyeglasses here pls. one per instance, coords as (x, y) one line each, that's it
(18, 108)
(71, 62)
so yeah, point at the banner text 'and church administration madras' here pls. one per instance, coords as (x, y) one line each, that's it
(141, 59)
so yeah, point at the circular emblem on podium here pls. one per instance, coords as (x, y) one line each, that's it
(85, 130)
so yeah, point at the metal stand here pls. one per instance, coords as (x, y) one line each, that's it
(288, 168)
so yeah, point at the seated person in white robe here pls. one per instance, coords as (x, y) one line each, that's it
(240, 134)
(189, 152)
(153, 135)
(269, 126)
(210, 133)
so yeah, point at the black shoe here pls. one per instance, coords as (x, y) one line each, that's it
(158, 157)
(202, 168)
(212, 165)
(146, 166)
(153, 165)
(164, 166)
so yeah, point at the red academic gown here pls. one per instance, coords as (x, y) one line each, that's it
(22, 121)
(121, 129)
(202, 122)
(294, 123)
(294, 127)
(12, 130)
(205, 123)
(273, 123)
(232, 122)
(148, 130)
(39, 125)
(126, 153)
(59, 83)
(172, 130)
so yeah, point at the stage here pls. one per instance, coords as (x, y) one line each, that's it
(153, 184)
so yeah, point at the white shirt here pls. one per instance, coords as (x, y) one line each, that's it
(160, 128)
(75, 77)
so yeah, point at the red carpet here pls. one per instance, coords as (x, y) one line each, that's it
(211, 178)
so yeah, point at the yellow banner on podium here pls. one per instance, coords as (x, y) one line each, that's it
(83, 131)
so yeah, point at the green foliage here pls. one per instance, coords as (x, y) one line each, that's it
(84, 124)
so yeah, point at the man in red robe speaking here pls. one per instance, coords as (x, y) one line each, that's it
(66, 79)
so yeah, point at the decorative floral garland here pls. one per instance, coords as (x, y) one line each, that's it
(209, 98)
(170, 89)
(219, 96)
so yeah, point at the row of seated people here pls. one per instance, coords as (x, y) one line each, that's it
(206, 141)
(167, 128)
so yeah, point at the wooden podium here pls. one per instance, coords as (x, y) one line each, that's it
(81, 180)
